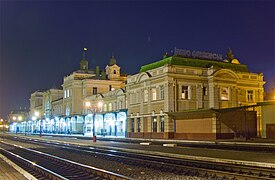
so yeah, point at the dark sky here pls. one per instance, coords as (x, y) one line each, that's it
(41, 42)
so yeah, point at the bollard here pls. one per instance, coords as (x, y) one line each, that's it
(94, 139)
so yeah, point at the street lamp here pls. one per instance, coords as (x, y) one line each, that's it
(35, 117)
(94, 111)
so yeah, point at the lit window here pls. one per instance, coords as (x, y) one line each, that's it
(224, 93)
(65, 94)
(184, 92)
(110, 106)
(154, 94)
(105, 107)
(145, 95)
(68, 93)
(250, 95)
(161, 92)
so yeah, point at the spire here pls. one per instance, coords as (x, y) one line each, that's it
(84, 63)
(229, 55)
(112, 60)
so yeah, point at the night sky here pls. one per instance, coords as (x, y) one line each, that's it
(41, 42)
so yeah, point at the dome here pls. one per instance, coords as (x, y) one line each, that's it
(235, 61)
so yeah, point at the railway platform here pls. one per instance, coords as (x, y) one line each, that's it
(10, 171)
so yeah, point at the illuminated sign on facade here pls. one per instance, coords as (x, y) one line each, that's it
(198, 54)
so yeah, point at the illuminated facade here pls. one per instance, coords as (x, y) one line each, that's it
(111, 117)
(189, 95)
(63, 111)
(179, 97)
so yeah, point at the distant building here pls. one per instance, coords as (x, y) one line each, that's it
(17, 117)
(180, 97)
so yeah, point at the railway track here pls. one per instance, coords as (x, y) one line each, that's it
(177, 166)
(45, 166)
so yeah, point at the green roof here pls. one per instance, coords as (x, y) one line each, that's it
(181, 61)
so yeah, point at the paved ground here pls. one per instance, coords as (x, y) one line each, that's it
(8, 172)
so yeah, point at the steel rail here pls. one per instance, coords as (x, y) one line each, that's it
(172, 164)
(86, 168)
(37, 168)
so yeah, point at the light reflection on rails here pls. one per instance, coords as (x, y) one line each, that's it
(58, 168)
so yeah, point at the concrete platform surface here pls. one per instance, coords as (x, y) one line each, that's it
(10, 171)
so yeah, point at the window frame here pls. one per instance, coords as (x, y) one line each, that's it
(224, 96)
(154, 94)
(185, 92)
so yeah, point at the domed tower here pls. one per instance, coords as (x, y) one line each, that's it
(113, 70)
(84, 64)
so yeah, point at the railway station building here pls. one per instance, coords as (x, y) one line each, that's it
(186, 95)
(194, 95)
(66, 110)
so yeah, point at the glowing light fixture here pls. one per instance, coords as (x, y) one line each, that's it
(99, 104)
(88, 104)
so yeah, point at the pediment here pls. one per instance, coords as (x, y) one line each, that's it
(143, 76)
(225, 76)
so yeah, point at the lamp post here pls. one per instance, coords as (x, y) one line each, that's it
(36, 115)
(94, 111)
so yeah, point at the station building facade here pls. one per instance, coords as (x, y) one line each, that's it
(182, 97)
(64, 111)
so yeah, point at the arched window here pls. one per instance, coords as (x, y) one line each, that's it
(114, 71)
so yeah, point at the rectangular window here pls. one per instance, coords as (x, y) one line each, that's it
(225, 94)
(250, 95)
(138, 124)
(204, 91)
(110, 87)
(154, 94)
(68, 93)
(145, 95)
(110, 107)
(154, 124)
(65, 94)
(105, 107)
(133, 124)
(94, 90)
(161, 88)
(184, 92)
(161, 123)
